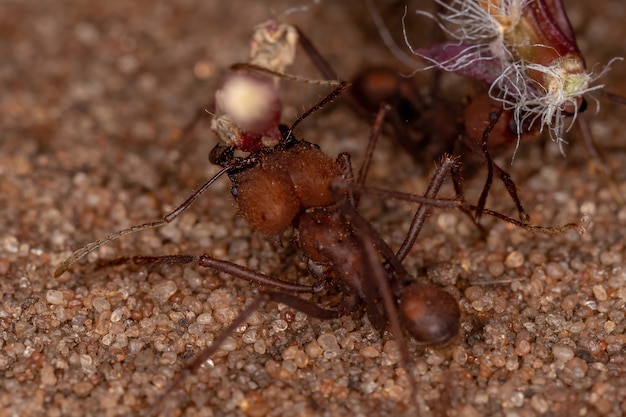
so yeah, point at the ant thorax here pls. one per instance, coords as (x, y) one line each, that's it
(285, 181)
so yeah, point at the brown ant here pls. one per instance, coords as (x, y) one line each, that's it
(293, 184)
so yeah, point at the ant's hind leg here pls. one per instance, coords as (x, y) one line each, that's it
(265, 297)
(447, 163)
(219, 265)
(147, 260)
(344, 161)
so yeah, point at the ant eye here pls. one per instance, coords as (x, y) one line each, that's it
(234, 191)
(583, 105)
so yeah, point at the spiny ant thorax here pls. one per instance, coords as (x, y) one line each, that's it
(283, 182)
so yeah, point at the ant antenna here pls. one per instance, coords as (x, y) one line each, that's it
(330, 97)
(90, 247)
(245, 66)
(387, 39)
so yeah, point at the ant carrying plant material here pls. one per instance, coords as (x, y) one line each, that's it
(293, 185)
(247, 106)
(285, 183)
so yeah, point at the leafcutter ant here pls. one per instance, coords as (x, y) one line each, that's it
(426, 127)
(292, 184)
(295, 185)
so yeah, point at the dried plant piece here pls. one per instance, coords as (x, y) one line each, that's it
(248, 110)
(248, 106)
(525, 49)
(273, 45)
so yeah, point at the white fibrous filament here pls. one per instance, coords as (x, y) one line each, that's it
(531, 61)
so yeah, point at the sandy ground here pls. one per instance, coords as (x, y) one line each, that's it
(93, 97)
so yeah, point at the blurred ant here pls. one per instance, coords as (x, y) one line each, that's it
(526, 93)
(427, 127)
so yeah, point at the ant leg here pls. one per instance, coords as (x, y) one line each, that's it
(483, 195)
(447, 162)
(147, 260)
(90, 247)
(227, 267)
(265, 297)
(378, 285)
(316, 58)
(430, 314)
(325, 69)
(373, 140)
(579, 228)
(256, 277)
(616, 98)
(504, 177)
(457, 181)
(343, 160)
(374, 283)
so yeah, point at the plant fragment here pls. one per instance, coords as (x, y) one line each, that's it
(525, 49)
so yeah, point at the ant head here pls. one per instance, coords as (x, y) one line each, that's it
(430, 314)
(378, 85)
(222, 155)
